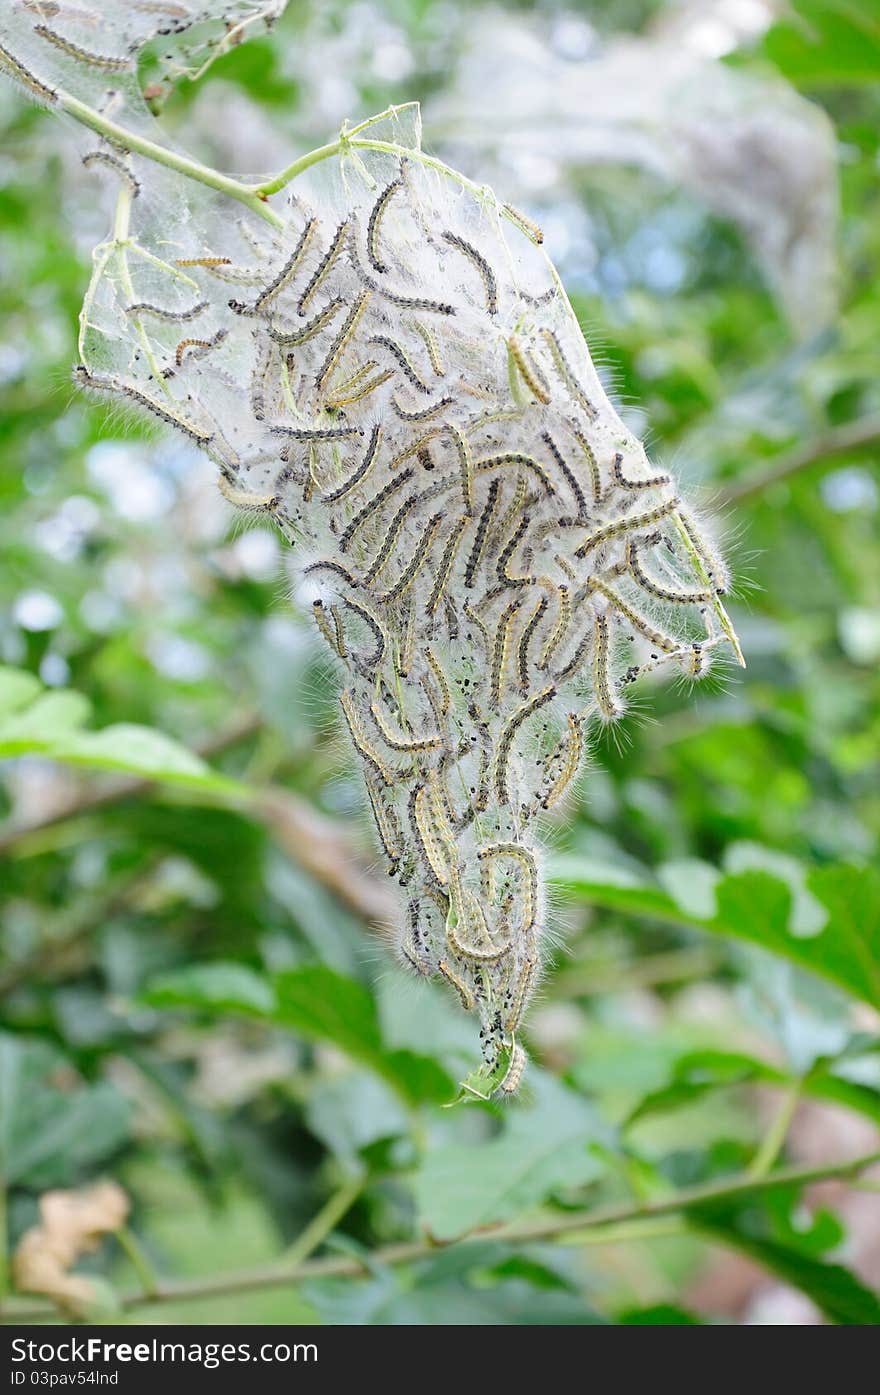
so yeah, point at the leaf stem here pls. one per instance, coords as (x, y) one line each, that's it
(774, 1140)
(325, 1220)
(146, 1275)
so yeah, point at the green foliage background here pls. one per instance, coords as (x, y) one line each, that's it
(190, 1011)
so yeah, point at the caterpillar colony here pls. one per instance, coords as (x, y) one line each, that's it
(390, 369)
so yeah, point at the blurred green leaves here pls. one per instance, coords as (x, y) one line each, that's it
(756, 905)
(53, 1128)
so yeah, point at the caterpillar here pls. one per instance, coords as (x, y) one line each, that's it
(607, 702)
(107, 62)
(371, 506)
(665, 642)
(417, 561)
(346, 397)
(375, 222)
(199, 345)
(526, 639)
(564, 369)
(566, 472)
(500, 650)
(362, 470)
(290, 267)
(142, 399)
(570, 750)
(483, 525)
(359, 739)
(343, 338)
(508, 735)
(292, 338)
(35, 86)
(159, 312)
(446, 564)
(426, 413)
(113, 162)
(429, 339)
(383, 342)
(490, 285)
(628, 524)
(530, 229)
(398, 742)
(324, 267)
(528, 370)
(654, 482)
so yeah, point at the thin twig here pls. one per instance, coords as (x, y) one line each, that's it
(566, 1227)
(841, 440)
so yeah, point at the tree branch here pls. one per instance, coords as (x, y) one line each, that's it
(841, 440)
(567, 1226)
(160, 155)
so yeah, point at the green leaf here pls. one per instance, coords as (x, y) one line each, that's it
(763, 908)
(542, 1146)
(317, 1003)
(220, 987)
(696, 1074)
(659, 1315)
(53, 725)
(823, 42)
(48, 1134)
(837, 1292)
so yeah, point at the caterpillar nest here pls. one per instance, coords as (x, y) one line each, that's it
(397, 378)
